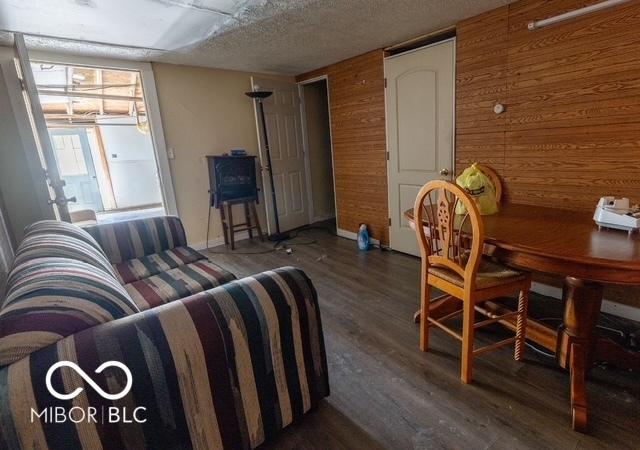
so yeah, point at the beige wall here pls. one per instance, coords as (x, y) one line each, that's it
(319, 141)
(204, 112)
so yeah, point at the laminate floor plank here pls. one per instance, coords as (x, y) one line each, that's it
(385, 393)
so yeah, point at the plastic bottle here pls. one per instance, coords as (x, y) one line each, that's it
(363, 237)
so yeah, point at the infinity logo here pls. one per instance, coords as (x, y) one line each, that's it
(88, 379)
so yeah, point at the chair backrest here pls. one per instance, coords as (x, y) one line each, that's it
(446, 239)
(495, 179)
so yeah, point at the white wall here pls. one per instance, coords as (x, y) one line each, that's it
(132, 165)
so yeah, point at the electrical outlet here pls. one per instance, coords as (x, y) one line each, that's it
(171, 153)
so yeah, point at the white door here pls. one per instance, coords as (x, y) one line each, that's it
(420, 123)
(6, 249)
(282, 116)
(41, 134)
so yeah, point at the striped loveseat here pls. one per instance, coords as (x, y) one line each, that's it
(121, 336)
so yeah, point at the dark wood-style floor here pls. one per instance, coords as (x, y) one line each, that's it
(385, 393)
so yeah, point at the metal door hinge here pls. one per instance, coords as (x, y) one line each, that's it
(389, 221)
(387, 156)
(385, 82)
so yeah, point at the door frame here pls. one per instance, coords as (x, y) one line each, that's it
(150, 95)
(453, 137)
(27, 137)
(305, 146)
(7, 243)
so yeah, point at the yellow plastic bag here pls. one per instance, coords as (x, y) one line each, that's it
(480, 188)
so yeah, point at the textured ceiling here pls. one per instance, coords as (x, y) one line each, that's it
(278, 36)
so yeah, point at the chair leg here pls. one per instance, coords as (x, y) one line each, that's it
(247, 220)
(208, 224)
(468, 318)
(231, 228)
(223, 219)
(425, 298)
(521, 324)
(254, 213)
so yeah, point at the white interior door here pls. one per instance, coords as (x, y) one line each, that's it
(282, 116)
(6, 249)
(420, 122)
(41, 134)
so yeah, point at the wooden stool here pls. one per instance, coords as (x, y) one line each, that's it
(229, 228)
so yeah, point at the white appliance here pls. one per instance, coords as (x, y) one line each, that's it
(616, 213)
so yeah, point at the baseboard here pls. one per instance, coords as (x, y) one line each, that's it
(323, 218)
(354, 236)
(608, 306)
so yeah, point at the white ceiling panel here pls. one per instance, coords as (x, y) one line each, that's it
(279, 36)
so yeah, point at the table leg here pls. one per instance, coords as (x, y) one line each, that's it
(582, 302)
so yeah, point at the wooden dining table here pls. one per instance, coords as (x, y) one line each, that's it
(568, 244)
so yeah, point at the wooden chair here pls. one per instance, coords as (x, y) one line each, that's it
(495, 179)
(452, 261)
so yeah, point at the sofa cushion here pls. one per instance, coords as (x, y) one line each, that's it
(147, 266)
(177, 283)
(50, 298)
(123, 241)
(57, 245)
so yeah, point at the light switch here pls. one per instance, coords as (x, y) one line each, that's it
(171, 153)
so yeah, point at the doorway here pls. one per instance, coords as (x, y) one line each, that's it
(420, 111)
(316, 127)
(75, 164)
(100, 136)
(288, 165)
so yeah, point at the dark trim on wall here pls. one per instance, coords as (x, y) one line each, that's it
(428, 40)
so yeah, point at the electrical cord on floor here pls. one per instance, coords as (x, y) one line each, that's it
(237, 252)
(295, 234)
(627, 336)
(280, 245)
(540, 351)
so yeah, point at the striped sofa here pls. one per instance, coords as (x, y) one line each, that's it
(121, 336)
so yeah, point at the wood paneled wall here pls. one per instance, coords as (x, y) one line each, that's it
(356, 92)
(571, 130)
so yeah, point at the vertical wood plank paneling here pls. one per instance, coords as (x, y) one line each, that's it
(574, 105)
(571, 130)
(481, 82)
(356, 91)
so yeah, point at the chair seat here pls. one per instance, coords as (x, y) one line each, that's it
(490, 274)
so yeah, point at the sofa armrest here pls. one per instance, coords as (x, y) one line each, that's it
(130, 239)
(226, 368)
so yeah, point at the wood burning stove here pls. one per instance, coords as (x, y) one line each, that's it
(232, 178)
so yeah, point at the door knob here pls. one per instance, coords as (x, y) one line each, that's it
(444, 172)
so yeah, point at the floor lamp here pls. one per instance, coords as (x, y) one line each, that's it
(259, 97)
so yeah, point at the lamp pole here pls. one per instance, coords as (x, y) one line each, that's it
(259, 96)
